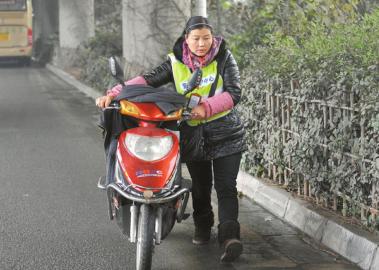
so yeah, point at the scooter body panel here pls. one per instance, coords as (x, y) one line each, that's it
(152, 175)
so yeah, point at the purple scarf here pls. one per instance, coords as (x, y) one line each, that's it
(193, 61)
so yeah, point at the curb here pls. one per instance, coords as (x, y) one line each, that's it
(351, 243)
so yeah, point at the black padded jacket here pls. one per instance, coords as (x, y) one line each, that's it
(223, 136)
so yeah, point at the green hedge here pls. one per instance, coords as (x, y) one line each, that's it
(93, 59)
(329, 64)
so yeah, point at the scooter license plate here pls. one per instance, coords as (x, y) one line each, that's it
(4, 36)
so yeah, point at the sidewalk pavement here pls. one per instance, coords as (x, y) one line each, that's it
(358, 246)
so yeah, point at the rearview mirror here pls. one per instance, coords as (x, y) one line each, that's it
(116, 69)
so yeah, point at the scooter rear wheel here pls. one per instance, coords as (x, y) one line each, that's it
(145, 237)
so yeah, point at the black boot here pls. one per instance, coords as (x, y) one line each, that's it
(202, 235)
(203, 226)
(229, 239)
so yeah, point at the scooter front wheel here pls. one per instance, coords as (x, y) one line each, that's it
(145, 237)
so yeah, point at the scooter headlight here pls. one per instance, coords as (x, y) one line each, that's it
(148, 148)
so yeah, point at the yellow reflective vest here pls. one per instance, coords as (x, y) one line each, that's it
(182, 74)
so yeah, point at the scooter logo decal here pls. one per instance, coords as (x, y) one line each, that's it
(149, 173)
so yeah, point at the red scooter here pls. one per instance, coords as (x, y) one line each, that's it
(148, 194)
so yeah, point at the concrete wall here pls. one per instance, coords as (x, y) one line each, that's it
(150, 28)
(76, 25)
(200, 8)
(76, 22)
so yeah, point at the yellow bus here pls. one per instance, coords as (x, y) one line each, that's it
(16, 30)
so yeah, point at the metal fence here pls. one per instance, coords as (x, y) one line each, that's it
(280, 108)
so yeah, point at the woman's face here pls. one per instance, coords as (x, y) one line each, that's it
(199, 41)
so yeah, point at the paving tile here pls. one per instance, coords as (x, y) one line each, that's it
(248, 205)
(259, 254)
(299, 251)
(264, 223)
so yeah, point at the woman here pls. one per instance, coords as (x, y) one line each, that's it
(223, 131)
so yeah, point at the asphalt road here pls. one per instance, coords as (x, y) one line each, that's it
(52, 216)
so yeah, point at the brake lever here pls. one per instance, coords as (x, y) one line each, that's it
(113, 106)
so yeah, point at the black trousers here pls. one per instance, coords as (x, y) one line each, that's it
(225, 171)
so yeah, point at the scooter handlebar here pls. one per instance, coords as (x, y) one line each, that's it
(115, 105)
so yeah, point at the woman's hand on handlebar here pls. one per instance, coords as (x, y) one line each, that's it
(198, 112)
(104, 101)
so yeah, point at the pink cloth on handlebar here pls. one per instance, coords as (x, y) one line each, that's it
(217, 104)
(117, 88)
